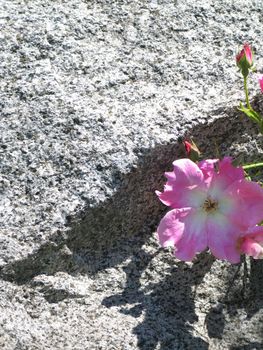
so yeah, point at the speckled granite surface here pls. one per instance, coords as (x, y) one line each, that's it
(94, 98)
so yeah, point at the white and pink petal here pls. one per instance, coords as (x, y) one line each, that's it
(222, 238)
(194, 237)
(227, 175)
(182, 197)
(252, 242)
(249, 203)
(187, 173)
(171, 227)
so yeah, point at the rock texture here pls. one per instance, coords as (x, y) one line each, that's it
(95, 96)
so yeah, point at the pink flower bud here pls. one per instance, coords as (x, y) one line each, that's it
(192, 150)
(245, 53)
(244, 59)
(187, 146)
(260, 80)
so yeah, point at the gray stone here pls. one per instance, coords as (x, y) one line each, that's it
(95, 96)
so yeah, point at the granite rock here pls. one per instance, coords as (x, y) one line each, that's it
(95, 97)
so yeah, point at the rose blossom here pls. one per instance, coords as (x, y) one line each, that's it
(212, 203)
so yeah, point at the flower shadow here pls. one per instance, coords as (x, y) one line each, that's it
(250, 346)
(105, 234)
(168, 306)
(244, 294)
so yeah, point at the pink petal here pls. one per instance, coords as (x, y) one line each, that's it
(166, 197)
(170, 177)
(260, 80)
(187, 173)
(194, 238)
(230, 172)
(182, 197)
(256, 232)
(252, 242)
(252, 248)
(249, 203)
(184, 187)
(171, 227)
(240, 55)
(226, 175)
(248, 53)
(184, 230)
(208, 167)
(222, 238)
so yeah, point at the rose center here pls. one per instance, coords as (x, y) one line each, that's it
(210, 205)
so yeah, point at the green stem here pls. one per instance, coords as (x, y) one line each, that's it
(252, 166)
(246, 92)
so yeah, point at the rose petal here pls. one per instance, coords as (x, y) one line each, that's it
(187, 173)
(249, 202)
(194, 237)
(171, 227)
(227, 174)
(252, 248)
(182, 197)
(248, 53)
(185, 188)
(170, 175)
(256, 232)
(208, 167)
(252, 242)
(260, 80)
(222, 238)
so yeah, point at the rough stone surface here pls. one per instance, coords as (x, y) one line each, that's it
(95, 96)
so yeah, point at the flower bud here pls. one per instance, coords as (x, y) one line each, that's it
(260, 80)
(244, 60)
(192, 150)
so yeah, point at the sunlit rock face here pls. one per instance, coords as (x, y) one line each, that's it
(95, 96)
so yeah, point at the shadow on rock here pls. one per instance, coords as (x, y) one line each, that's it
(103, 235)
(245, 292)
(256, 287)
(215, 322)
(167, 306)
(246, 288)
(250, 346)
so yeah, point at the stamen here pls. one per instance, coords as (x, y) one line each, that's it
(210, 205)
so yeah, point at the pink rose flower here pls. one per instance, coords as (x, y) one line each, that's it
(252, 242)
(212, 204)
(260, 79)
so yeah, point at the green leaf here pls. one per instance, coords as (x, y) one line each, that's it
(251, 114)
